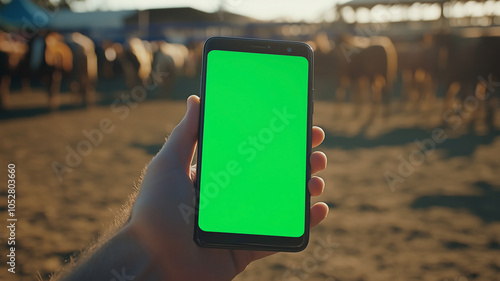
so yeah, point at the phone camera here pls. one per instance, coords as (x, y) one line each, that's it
(289, 49)
(269, 46)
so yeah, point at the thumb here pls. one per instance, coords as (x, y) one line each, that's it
(178, 151)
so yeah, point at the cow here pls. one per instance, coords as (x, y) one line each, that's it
(83, 76)
(12, 53)
(472, 74)
(419, 64)
(59, 59)
(367, 66)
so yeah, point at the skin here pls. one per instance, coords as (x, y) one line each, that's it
(157, 242)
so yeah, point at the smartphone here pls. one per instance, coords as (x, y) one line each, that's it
(254, 145)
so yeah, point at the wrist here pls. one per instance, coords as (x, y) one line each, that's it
(122, 257)
(148, 265)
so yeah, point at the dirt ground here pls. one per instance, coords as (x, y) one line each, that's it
(436, 218)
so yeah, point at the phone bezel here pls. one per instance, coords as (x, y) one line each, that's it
(248, 241)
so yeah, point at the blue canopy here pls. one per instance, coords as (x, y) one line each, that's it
(21, 12)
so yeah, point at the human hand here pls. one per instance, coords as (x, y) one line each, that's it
(160, 226)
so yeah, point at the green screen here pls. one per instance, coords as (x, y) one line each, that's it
(253, 165)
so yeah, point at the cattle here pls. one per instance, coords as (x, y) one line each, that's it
(59, 59)
(46, 56)
(11, 54)
(364, 66)
(472, 74)
(166, 65)
(419, 64)
(465, 63)
(83, 77)
(120, 62)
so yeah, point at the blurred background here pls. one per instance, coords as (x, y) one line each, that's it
(407, 93)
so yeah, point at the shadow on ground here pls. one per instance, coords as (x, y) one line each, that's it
(464, 145)
(486, 206)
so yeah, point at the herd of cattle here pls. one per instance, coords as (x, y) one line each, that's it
(50, 59)
(465, 67)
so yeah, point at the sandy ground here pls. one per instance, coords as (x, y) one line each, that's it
(440, 220)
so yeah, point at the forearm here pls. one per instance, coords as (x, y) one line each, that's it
(120, 258)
